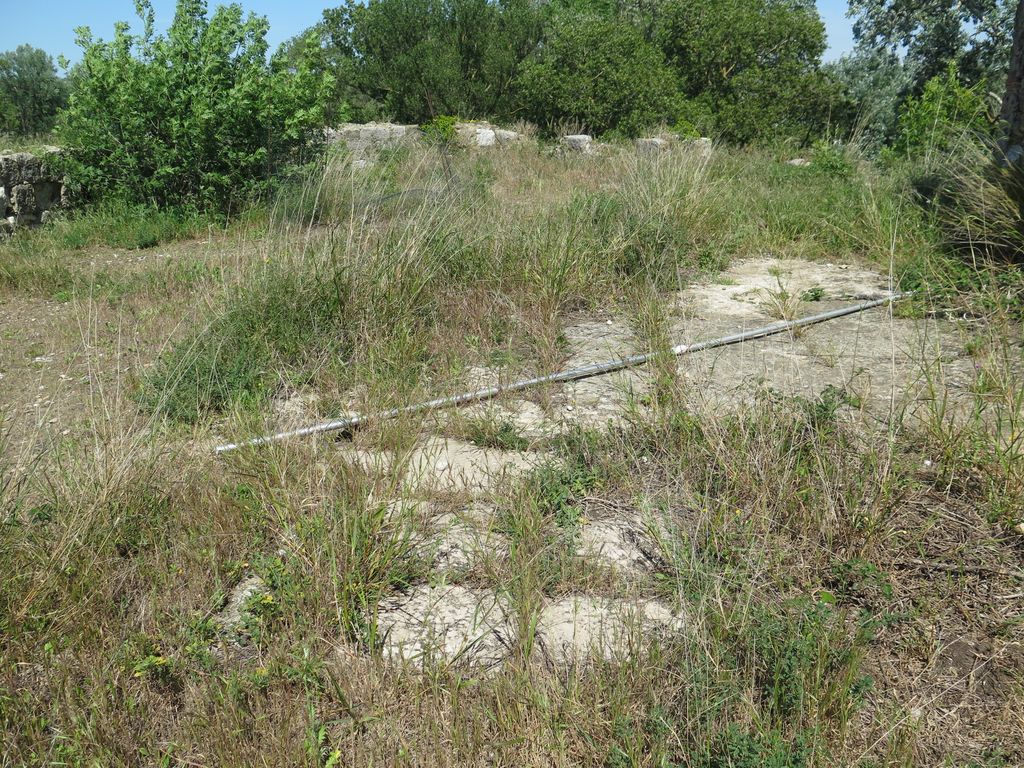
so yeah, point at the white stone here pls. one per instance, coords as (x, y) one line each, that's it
(504, 136)
(230, 618)
(448, 624)
(574, 629)
(579, 142)
(485, 137)
(799, 162)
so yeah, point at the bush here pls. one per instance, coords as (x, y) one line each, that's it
(199, 117)
(283, 316)
(874, 84)
(602, 73)
(944, 114)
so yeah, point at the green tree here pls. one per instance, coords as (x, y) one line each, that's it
(601, 72)
(1013, 102)
(198, 117)
(973, 35)
(31, 92)
(416, 59)
(327, 49)
(750, 68)
(874, 84)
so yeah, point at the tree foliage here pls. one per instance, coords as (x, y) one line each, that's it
(601, 73)
(874, 84)
(31, 92)
(945, 113)
(750, 67)
(198, 116)
(974, 35)
(422, 58)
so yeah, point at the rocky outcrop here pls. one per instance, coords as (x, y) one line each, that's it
(29, 189)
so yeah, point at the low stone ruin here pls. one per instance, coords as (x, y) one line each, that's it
(29, 189)
(366, 140)
(484, 134)
(579, 142)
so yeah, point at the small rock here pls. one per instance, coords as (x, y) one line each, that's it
(505, 137)
(573, 629)
(485, 137)
(799, 162)
(231, 617)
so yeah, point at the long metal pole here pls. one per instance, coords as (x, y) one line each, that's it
(574, 374)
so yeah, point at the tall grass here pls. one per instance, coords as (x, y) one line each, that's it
(795, 544)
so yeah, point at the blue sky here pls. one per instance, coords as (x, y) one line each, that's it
(50, 24)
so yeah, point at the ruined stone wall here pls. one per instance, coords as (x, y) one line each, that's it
(29, 189)
(365, 140)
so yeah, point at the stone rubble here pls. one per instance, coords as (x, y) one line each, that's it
(29, 189)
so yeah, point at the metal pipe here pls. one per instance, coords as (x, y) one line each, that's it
(574, 374)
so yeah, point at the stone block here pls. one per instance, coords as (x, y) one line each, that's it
(579, 142)
(23, 200)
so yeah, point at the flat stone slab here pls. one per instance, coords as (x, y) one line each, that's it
(448, 464)
(526, 417)
(455, 465)
(445, 624)
(594, 402)
(575, 629)
(623, 546)
(870, 355)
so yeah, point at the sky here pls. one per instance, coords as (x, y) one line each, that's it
(50, 25)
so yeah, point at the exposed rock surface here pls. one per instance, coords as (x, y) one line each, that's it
(577, 628)
(445, 624)
(233, 614)
(873, 357)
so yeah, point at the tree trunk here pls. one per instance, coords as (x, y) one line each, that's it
(1013, 103)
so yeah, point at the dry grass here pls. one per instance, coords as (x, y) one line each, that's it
(849, 594)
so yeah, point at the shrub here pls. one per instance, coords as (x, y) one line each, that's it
(282, 316)
(197, 117)
(600, 72)
(874, 84)
(941, 116)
